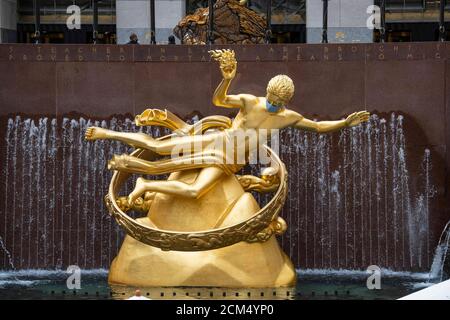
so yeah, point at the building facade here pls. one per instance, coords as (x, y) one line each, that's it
(8, 20)
(292, 21)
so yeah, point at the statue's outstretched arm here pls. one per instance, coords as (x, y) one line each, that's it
(328, 126)
(228, 66)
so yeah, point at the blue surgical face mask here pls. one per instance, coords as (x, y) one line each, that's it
(272, 108)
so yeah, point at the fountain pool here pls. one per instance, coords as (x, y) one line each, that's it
(312, 284)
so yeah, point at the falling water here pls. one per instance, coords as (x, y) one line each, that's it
(441, 259)
(351, 200)
(8, 137)
(8, 254)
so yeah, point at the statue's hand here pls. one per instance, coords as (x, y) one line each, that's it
(228, 72)
(356, 118)
(227, 62)
(95, 133)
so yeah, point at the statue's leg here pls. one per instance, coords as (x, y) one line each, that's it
(142, 140)
(206, 179)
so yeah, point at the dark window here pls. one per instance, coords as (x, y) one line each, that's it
(53, 21)
(192, 5)
(56, 9)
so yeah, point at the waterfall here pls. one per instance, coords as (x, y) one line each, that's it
(8, 254)
(440, 269)
(351, 203)
(353, 200)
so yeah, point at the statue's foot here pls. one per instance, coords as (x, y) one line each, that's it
(139, 189)
(95, 133)
(117, 162)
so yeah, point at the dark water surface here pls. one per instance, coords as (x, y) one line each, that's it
(311, 284)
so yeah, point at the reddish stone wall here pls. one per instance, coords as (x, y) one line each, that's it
(406, 84)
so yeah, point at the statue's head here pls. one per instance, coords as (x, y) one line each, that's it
(280, 90)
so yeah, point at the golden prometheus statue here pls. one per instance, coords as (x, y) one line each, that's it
(203, 226)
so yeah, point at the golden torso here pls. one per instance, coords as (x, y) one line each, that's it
(256, 116)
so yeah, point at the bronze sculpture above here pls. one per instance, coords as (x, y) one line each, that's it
(234, 23)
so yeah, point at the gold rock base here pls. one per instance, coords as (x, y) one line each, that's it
(240, 265)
